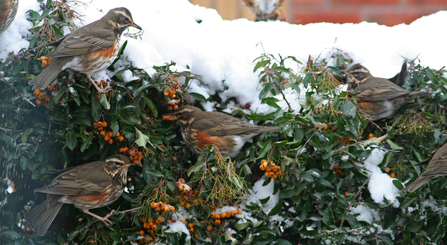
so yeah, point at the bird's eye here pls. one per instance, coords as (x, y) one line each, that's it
(126, 19)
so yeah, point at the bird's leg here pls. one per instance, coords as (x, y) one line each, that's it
(96, 86)
(105, 220)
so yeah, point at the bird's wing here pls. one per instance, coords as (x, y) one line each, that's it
(79, 43)
(380, 92)
(81, 180)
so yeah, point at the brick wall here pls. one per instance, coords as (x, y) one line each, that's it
(386, 12)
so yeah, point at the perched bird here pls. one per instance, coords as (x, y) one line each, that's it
(8, 11)
(378, 97)
(88, 50)
(202, 128)
(436, 167)
(399, 78)
(91, 185)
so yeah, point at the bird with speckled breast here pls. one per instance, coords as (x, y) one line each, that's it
(88, 50)
(378, 98)
(202, 128)
(88, 186)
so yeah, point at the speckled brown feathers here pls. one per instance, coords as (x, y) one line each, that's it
(437, 167)
(227, 133)
(378, 97)
(89, 49)
(91, 185)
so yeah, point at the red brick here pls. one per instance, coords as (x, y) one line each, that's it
(327, 16)
(365, 2)
(427, 2)
(393, 18)
(309, 2)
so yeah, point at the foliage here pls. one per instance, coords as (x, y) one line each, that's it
(319, 154)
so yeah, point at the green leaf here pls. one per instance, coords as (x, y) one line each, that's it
(104, 102)
(283, 242)
(115, 127)
(393, 145)
(142, 139)
(96, 109)
(405, 204)
(25, 134)
(267, 147)
(72, 235)
(240, 226)
(197, 96)
(196, 167)
(70, 139)
(151, 106)
(414, 228)
(328, 216)
(276, 210)
(86, 142)
(155, 173)
(348, 108)
(398, 184)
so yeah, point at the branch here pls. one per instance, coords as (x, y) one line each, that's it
(352, 201)
(283, 96)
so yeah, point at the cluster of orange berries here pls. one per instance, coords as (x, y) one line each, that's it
(339, 172)
(218, 216)
(188, 194)
(135, 155)
(163, 207)
(108, 136)
(392, 175)
(53, 87)
(323, 126)
(151, 227)
(41, 97)
(270, 168)
(371, 136)
(191, 229)
(172, 105)
(345, 139)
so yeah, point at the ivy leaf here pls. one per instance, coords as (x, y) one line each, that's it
(142, 139)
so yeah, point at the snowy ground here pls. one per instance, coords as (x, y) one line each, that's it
(224, 50)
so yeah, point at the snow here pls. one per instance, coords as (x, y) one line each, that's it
(261, 192)
(366, 213)
(179, 227)
(380, 184)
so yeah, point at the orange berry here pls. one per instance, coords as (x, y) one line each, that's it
(38, 101)
(121, 138)
(217, 221)
(41, 96)
(166, 93)
(117, 134)
(47, 98)
(100, 124)
(170, 108)
(95, 124)
(102, 133)
(209, 228)
(135, 161)
(36, 91)
(110, 133)
(106, 138)
(233, 212)
(387, 170)
(217, 216)
(176, 107)
(346, 193)
(141, 232)
(393, 175)
(110, 141)
(104, 124)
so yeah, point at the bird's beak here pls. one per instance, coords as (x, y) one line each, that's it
(136, 26)
(169, 116)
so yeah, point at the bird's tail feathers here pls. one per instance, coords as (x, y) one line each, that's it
(48, 75)
(41, 217)
(417, 183)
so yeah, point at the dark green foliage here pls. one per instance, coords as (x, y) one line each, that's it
(319, 151)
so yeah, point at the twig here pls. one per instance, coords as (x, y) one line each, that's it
(283, 96)
(352, 201)
(296, 157)
(6, 82)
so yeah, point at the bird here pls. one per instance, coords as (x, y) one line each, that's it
(8, 11)
(399, 78)
(378, 98)
(436, 167)
(88, 50)
(91, 185)
(202, 128)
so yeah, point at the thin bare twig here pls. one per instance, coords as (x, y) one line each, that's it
(352, 201)
(283, 96)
